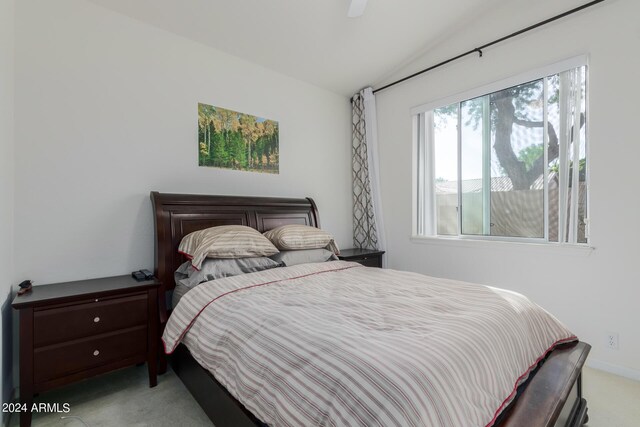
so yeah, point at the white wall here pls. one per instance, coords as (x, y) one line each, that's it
(6, 142)
(106, 111)
(592, 294)
(6, 187)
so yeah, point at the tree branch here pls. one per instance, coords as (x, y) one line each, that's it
(527, 123)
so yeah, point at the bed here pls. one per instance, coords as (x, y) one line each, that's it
(551, 396)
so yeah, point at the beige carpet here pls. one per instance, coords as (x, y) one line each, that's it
(613, 401)
(123, 398)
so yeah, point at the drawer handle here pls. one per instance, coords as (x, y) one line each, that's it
(96, 352)
(96, 319)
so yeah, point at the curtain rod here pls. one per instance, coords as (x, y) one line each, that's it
(484, 46)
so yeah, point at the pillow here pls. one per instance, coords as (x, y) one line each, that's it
(289, 258)
(296, 236)
(213, 269)
(225, 241)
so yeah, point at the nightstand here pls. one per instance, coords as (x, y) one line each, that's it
(76, 330)
(367, 257)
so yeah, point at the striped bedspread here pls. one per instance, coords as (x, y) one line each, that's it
(338, 344)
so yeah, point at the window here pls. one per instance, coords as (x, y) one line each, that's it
(510, 164)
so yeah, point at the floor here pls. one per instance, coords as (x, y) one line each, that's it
(123, 398)
(613, 401)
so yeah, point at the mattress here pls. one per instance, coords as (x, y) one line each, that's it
(341, 344)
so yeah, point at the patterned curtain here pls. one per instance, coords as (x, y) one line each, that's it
(366, 230)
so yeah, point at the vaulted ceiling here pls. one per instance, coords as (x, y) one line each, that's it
(312, 40)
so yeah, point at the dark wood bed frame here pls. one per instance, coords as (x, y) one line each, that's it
(551, 397)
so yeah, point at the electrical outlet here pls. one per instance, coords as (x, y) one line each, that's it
(612, 341)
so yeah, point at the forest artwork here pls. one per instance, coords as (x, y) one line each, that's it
(231, 140)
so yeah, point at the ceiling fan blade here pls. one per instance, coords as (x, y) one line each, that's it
(356, 8)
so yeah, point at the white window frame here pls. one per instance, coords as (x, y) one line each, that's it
(427, 233)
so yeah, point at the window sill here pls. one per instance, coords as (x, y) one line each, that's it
(559, 248)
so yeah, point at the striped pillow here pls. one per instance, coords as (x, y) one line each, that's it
(296, 236)
(225, 241)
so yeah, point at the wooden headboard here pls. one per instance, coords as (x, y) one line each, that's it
(177, 215)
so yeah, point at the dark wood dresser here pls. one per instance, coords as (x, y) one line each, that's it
(368, 257)
(76, 330)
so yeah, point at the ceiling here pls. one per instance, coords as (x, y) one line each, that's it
(311, 40)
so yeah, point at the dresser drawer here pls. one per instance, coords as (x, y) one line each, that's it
(58, 360)
(55, 325)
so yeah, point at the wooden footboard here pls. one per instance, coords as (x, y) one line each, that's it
(553, 397)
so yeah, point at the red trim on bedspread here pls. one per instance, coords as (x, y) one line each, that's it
(509, 398)
(241, 289)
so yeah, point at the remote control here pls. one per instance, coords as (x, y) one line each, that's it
(147, 274)
(139, 276)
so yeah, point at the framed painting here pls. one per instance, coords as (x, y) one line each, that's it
(232, 140)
